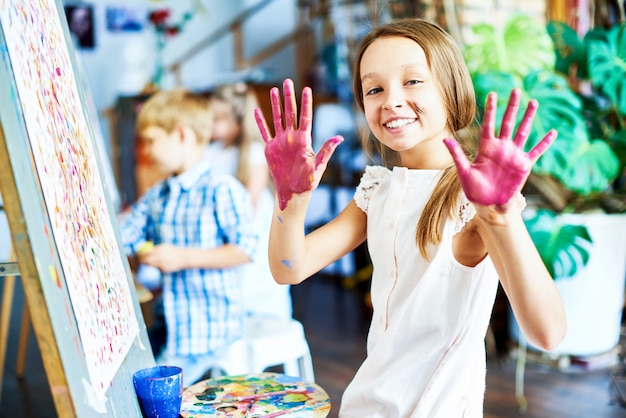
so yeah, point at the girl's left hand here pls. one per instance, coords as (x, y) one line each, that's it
(501, 166)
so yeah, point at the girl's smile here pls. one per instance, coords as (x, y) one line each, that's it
(399, 123)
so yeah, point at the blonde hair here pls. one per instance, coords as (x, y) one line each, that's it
(457, 92)
(243, 101)
(170, 109)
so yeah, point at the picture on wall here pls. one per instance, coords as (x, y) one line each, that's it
(80, 18)
(125, 18)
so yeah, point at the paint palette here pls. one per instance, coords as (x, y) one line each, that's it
(255, 395)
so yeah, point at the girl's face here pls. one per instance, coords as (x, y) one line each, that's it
(402, 104)
(225, 125)
(166, 150)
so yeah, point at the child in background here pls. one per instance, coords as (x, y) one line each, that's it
(237, 149)
(200, 224)
(441, 230)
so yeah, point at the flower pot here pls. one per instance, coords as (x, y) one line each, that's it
(594, 297)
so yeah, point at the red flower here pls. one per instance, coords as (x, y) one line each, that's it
(159, 16)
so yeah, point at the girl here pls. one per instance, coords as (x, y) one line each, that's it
(237, 149)
(440, 230)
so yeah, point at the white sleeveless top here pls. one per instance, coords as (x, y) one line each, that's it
(425, 348)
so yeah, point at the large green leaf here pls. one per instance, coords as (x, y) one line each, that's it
(591, 168)
(607, 63)
(563, 248)
(569, 47)
(521, 45)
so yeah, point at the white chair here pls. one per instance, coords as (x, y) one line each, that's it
(268, 342)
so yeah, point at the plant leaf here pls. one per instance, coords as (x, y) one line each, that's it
(564, 248)
(607, 63)
(569, 47)
(591, 169)
(520, 46)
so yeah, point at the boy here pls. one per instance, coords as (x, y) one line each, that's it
(195, 227)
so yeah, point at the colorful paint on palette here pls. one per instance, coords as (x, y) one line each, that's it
(264, 394)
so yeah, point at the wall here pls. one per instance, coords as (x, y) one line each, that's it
(122, 62)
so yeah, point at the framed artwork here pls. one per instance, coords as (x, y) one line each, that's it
(80, 19)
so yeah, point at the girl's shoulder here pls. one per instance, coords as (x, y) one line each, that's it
(465, 213)
(370, 180)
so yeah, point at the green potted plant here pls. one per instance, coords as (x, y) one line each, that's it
(580, 85)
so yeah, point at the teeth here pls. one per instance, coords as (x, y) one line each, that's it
(399, 123)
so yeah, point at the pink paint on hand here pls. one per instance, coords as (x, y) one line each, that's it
(290, 157)
(501, 166)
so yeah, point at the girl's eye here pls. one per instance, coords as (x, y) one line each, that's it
(413, 82)
(373, 91)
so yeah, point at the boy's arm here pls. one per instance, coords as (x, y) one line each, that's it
(169, 258)
(236, 236)
(133, 225)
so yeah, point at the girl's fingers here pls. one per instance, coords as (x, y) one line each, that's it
(488, 126)
(525, 126)
(276, 110)
(290, 104)
(327, 150)
(508, 120)
(306, 111)
(260, 122)
(539, 149)
(459, 157)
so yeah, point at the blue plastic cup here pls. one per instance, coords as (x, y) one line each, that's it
(159, 390)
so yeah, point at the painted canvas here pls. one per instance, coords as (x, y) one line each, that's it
(64, 158)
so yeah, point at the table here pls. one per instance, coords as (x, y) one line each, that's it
(255, 395)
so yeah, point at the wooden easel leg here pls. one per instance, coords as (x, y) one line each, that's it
(5, 316)
(23, 344)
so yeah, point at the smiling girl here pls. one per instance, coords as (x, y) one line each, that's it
(441, 229)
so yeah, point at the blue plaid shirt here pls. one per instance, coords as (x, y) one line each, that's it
(203, 307)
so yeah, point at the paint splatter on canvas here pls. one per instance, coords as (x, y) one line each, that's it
(64, 157)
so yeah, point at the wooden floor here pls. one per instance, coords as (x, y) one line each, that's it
(336, 324)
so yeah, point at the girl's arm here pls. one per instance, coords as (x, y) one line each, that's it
(498, 173)
(534, 298)
(294, 257)
(296, 171)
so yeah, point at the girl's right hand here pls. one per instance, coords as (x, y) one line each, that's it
(290, 157)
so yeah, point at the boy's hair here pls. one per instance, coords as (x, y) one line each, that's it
(457, 92)
(170, 109)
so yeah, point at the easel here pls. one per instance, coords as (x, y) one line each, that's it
(9, 271)
(77, 283)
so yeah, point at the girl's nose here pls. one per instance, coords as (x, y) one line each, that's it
(393, 101)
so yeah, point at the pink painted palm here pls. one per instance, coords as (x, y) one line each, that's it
(501, 166)
(290, 156)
